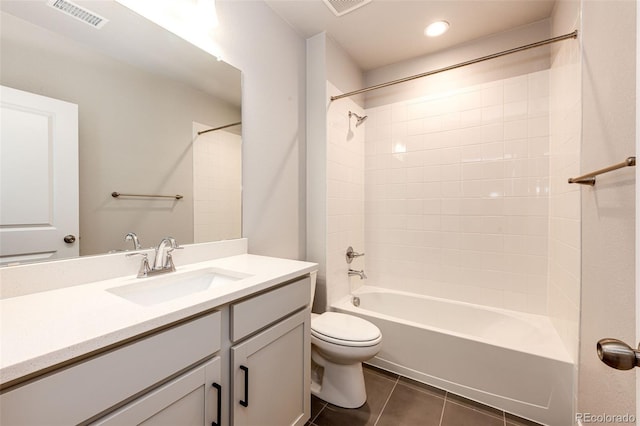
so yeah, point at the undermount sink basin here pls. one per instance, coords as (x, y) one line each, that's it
(159, 289)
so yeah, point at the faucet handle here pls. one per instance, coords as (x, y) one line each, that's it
(174, 246)
(352, 254)
(168, 263)
(145, 268)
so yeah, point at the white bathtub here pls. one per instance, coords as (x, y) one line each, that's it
(509, 360)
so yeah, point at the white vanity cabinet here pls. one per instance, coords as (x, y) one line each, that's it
(245, 362)
(270, 371)
(270, 379)
(84, 390)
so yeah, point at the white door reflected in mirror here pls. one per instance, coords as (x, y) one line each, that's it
(38, 177)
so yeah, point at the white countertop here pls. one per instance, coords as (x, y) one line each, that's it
(41, 330)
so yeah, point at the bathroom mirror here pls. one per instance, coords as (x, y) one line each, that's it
(143, 94)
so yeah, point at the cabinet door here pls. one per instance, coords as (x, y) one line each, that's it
(270, 375)
(192, 399)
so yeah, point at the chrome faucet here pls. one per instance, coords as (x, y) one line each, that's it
(163, 261)
(131, 236)
(361, 273)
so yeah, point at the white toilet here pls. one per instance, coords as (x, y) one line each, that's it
(339, 344)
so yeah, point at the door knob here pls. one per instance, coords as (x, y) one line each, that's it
(618, 354)
(69, 239)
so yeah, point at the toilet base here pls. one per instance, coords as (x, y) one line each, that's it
(340, 384)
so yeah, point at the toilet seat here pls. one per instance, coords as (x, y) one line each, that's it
(345, 330)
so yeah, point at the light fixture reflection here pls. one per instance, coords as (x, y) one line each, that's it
(192, 20)
(436, 28)
(399, 147)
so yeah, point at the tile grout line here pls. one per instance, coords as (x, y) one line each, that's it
(446, 394)
(387, 401)
(324, 405)
(503, 413)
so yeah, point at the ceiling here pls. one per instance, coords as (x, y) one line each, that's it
(155, 50)
(383, 32)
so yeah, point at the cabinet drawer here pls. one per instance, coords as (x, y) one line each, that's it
(260, 311)
(81, 391)
(186, 401)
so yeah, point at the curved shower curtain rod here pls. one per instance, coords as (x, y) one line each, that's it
(461, 64)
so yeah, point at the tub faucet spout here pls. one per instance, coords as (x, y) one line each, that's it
(360, 273)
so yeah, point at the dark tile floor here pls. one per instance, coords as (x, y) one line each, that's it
(393, 400)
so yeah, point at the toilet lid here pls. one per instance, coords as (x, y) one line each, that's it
(348, 328)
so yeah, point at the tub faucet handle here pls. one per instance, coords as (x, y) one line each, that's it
(352, 254)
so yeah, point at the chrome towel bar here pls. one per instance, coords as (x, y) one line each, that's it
(590, 178)
(118, 194)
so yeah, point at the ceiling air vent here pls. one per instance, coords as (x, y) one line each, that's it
(341, 7)
(78, 12)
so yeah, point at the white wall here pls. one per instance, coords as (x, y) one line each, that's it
(564, 199)
(317, 163)
(272, 59)
(342, 71)
(608, 224)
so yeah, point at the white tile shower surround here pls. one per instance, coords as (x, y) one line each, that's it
(457, 194)
(217, 186)
(345, 193)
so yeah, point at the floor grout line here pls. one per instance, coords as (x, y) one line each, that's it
(503, 413)
(387, 401)
(324, 405)
(459, 403)
(443, 405)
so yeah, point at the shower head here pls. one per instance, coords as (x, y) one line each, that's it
(359, 119)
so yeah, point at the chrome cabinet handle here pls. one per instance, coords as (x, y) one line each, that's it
(617, 354)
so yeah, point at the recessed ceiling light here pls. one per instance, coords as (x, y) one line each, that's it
(436, 28)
